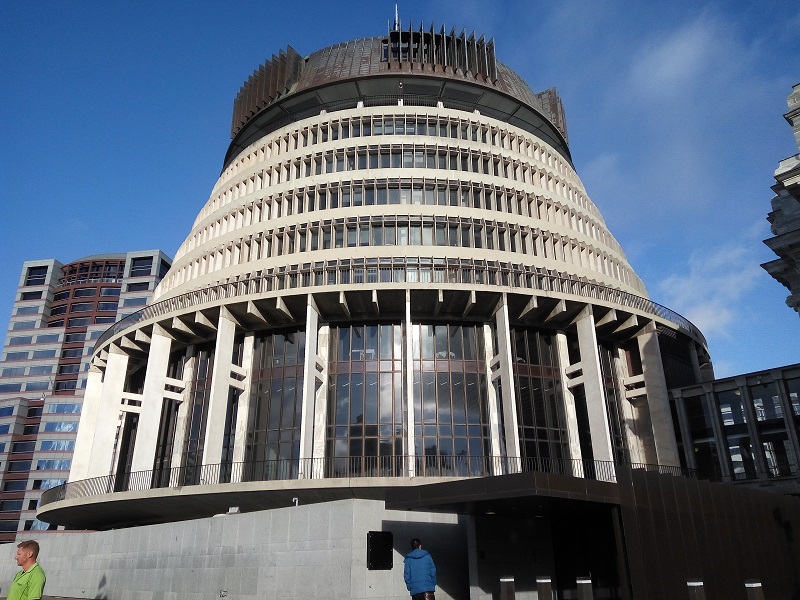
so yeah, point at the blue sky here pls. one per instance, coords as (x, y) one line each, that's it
(116, 117)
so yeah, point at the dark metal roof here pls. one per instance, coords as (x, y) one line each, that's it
(422, 68)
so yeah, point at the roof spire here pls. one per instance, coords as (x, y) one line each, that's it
(396, 19)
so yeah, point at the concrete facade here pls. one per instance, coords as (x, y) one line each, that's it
(297, 553)
(785, 215)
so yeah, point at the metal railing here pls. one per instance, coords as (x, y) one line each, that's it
(403, 270)
(343, 467)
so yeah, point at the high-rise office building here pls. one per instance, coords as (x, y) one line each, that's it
(399, 314)
(59, 313)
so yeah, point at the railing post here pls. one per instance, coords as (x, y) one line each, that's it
(754, 589)
(696, 590)
(585, 591)
(544, 588)
(507, 588)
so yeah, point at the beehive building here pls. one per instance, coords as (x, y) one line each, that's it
(397, 283)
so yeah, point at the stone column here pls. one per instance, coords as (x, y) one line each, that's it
(508, 390)
(570, 414)
(87, 429)
(309, 390)
(408, 368)
(320, 385)
(183, 415)
(658, 398)
(593, 387)
(103, 451)
(496, 466)
(243, 408)
(152, 400)
(220, 389)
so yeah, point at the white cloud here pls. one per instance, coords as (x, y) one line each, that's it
(710, 293)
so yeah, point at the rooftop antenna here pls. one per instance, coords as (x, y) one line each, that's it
(396, 19)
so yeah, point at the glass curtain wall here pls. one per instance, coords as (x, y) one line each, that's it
(365, 433)
(451, 424)
(540, 411)
(167, 425)
(778, 452)
(272, 446)
(614, 397)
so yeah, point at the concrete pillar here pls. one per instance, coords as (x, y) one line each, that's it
(544, 588)
(87, 429)
(786, 408)
(309, 390)
(183, 415)
(756, 448)
(243, 408)
(570, 413)
(408, 368)
(496, 467)
(508, 390)
(593, 387)
(686, 438)
(320, 384)
(658, 398)
(144, 451)
(696, 590)
(108, 417)
(220, 388)
(585, 591)
(754, 589)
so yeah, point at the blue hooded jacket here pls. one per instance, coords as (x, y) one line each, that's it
(419, 572)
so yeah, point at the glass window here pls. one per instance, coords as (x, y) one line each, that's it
(4, 428)
(13, 372)
(22, 447)
(101, 320)
(17, 485)
(71, 352)
(34, 411)
(61, 426)
(79, 321)
(64, 386)
(766, 402)
(18, 466)
(40, 370)
(7, 411)
(84, 292)
(58, 296)
(141, 267)
(47, 339)
(36, 276)
(16, 356)
(23, 325)
(27, 310)
(53, 464)
(79, 307)
(44, 354)
(71, 338)
(69, 369)
(31, 296)
(37, 386)
(140, 286)
(107, 306)
(64, 408)
(20, 340)
(134, 302)
(10, 387)
(10, 505)
(58, 445)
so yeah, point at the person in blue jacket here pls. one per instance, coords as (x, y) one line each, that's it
(419, 571)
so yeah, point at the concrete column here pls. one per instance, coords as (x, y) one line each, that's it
(183, 414)
(320, 386)
(408, 368)
(762, 471)
(719, 431)
(658, 398)
(243, 408)
(788, 414)
(87, 429)
(686, 437)
(103, 450)
(635, 416)
(593, 387)
(144, 452)
(220, 388)
(570, 414)
(496, 468)
(508, 390)
(309, 390)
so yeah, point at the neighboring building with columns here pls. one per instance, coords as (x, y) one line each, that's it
(397, 298)
(59, 312)
(743, 429)
(785, 216)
